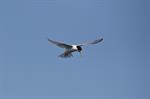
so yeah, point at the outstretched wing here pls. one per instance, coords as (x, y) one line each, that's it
(60, 44)
(92, 42)
(66, 54)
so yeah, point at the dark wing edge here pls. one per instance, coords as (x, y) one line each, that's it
(92, 42)
(66, 54)
(60, 44)
(96, 41)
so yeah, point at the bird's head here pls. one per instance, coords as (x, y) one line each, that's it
(79, 48)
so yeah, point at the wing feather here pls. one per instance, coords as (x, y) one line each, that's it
(60, 44)
(66, 54)
(92, 42)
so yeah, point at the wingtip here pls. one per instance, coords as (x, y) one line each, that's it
(101, 39)
(49, 40)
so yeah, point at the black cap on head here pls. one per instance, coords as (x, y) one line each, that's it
(79, 48)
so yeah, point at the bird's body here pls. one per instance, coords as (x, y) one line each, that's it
(68, 52)
(69, 49)
(74, 47)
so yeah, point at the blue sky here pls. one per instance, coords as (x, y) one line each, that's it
(117, 68)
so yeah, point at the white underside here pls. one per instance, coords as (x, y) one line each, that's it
(74, 47)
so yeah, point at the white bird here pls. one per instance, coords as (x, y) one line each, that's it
(69, 49)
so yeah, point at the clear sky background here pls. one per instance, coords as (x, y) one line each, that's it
(117, 68)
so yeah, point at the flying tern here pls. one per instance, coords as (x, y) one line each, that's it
(69, 49)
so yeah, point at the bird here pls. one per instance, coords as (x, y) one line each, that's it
(69, 49)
